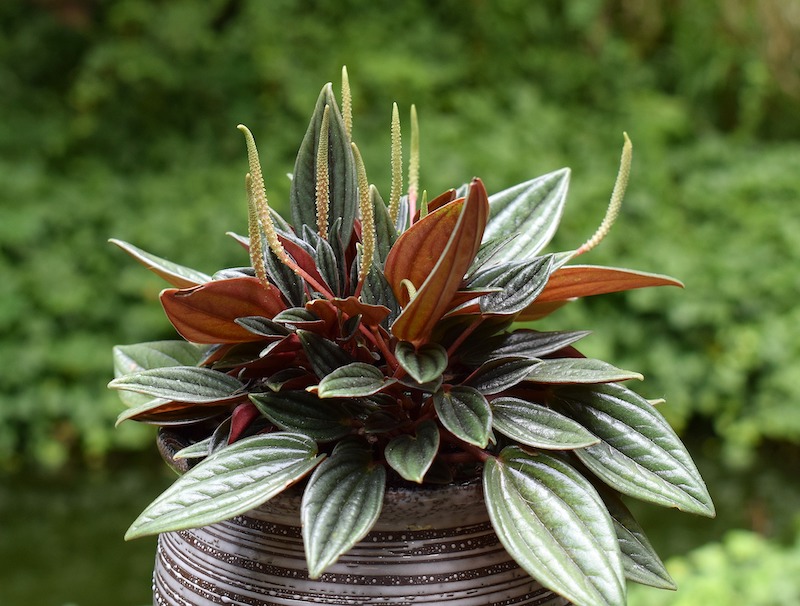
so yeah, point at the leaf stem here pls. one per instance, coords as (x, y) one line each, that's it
(463, 337)
(384, 349)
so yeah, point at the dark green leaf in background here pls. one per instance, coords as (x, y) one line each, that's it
(304, 412)
(323, 354)
(342, 170)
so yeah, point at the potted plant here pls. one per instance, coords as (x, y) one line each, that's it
(371, 356)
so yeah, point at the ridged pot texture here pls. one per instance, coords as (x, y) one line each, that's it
(430, 546)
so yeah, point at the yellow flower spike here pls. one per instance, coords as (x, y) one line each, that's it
(397, 166)
(258, 196)
(413, 162)
(323, 176)
(617, 195)
(367, 219)
(254, 231)
(347, 104)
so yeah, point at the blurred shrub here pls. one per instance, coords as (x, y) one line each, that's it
(125, 127)
(744, 569)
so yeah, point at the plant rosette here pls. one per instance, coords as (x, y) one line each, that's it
(369, 343)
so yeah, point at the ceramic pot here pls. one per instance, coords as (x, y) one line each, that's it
(431, 545)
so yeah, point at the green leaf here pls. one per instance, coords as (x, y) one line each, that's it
(538, 426)
(303, 412)
(198, 450)
(130, 359)
(496, 376)
(228, 483)
(263, 327)
(325, 260)
(288, 282)
(532, 210)
(412, 456)
(385, 231)
(425, 363)
(181, 384)
(639, 453)
(340, 505)
(524, 343)
(553, 523)
(579, 370)
(343, 185)
(177, 275)
(486, 253)
(352, 381)
(520, 285)
(377, 291)
(639, 560)
(324, 355)
(297, 316)
(465, 413)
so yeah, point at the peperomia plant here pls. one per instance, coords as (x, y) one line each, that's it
(369, 343)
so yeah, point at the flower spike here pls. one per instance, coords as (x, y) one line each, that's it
(617, 195)
(323, 176)
(413, 162)
(258, 200)
(257, 193)
(254, 231)
(367, 219)
(397, 166)
(347, 103)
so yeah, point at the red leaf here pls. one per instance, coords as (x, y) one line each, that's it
(441, 200)
(461, 245)
(574, 281)
(177, 413)
(242, 416)
(206, 313)
(419, 248)
(371, 315)
(302, 258)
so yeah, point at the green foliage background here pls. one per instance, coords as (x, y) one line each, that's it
(118, 120)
